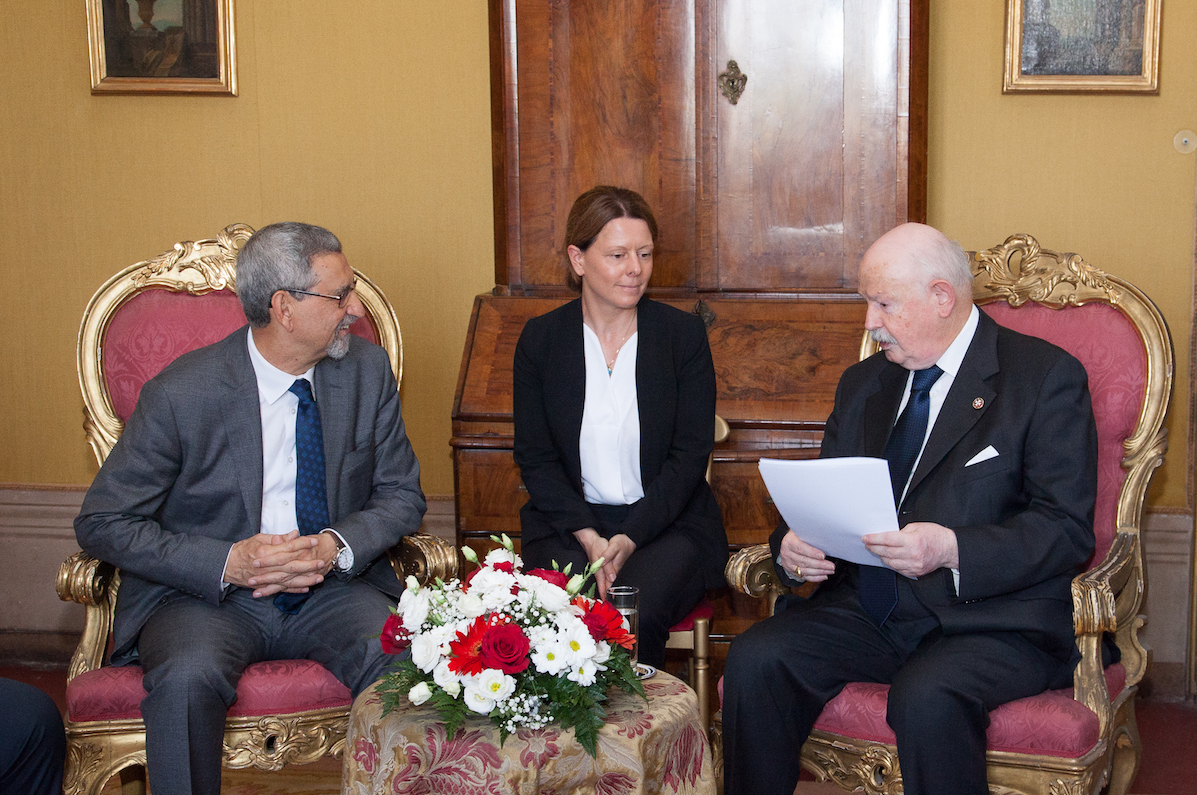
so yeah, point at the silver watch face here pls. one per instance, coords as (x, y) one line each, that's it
(344, 561)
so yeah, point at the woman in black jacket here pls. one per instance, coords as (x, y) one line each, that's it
(614, 422)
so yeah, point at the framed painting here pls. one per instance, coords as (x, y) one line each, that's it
(162, 47)
(1082, 45)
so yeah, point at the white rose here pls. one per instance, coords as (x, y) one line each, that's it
(551, 597)
(413, 606)
(419, 694)
(476, 698)
(470, 606)
(495, 684)
(446, 679)
(603, 652)
(425, 651)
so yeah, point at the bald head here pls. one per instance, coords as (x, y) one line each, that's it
(919, 292)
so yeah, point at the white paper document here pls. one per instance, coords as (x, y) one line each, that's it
(832, 502)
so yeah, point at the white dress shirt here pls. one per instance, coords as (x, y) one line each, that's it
(609, 442)
(278, 407)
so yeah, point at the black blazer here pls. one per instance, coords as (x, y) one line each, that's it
(1023, 519)
(675, 386)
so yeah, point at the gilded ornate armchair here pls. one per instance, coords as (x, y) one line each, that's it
(1083, 739)
(287, 711)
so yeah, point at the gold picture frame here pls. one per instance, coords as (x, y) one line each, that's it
(1106, 46)
(180, 47)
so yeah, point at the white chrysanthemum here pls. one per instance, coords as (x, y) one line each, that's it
(540, 634)
(470, 606)
(419, 694)
(493, 587)
(413, 606)
(584, 673)
(547, 595)
(503, 556)
(549, 657)
(446, 679)
(577, 645)
(425, 651)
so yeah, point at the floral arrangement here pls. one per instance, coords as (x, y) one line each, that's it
(524, 649)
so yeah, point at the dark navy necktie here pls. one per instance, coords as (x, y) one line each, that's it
(879, 586)
(311, 492)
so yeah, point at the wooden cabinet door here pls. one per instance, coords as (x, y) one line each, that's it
(593, 93)
(810, 160)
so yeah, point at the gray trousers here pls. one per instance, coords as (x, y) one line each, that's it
(193, 654)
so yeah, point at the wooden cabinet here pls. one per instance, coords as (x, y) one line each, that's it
(765, 205)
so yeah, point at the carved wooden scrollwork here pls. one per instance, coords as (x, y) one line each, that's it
(82, 762)
(273, 743)
(1019, 270)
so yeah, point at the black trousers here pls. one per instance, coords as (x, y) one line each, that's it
(782, 670)
(193, 654)
(667, 570)
(32, 741)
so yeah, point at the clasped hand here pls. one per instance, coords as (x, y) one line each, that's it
(614, 551)
(288, 563)
(917, 549)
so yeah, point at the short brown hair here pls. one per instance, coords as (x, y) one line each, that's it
(593, 210)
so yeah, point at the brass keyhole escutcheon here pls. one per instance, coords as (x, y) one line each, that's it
(732, 82)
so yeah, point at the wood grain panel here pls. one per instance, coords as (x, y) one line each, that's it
(810, 160)
(489, 492)
(606, 96)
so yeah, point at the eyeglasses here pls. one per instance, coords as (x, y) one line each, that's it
(342, 298)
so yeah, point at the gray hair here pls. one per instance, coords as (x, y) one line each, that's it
(279, 257)
(945, 259)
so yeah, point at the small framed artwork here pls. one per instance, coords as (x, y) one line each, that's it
(1082, 46)
(162, 47)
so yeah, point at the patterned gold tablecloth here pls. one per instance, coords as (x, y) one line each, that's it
(644, 749)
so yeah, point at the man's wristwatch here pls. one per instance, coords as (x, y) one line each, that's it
(344, 559)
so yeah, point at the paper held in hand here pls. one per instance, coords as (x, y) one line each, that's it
(831, 502)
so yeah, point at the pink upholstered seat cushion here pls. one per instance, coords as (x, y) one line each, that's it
(1110, 348)
(1051, 723)
(157, 326)
(277, 687)
(704, 609)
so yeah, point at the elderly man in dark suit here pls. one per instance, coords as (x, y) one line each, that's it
(250, 502)
(992, 450)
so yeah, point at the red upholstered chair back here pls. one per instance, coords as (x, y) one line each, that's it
(149, 314)
(1108, 345)
(157, 326)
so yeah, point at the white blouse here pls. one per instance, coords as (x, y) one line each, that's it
(609, 443)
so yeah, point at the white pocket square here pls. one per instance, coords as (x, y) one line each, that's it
(984, 455)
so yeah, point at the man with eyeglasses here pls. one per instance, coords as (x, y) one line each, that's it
(250, 503)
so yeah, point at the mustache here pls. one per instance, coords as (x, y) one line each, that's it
(348, 321)
(882, 336)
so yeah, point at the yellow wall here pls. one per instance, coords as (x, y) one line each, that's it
(1097, 175)
(372, 118)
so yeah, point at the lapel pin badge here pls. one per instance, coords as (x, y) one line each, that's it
(978, 403)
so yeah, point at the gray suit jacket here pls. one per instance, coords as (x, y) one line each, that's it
(184, 482)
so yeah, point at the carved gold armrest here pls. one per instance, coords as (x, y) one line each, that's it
(89, 582)
(1106, 599)
(425, 557)
(750, 571)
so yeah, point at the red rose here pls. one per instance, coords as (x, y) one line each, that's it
(394, 637)
(555, 577)
(504, 566)
(505, 647)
